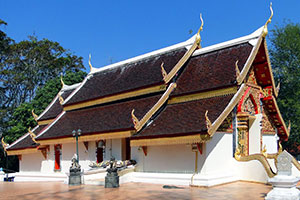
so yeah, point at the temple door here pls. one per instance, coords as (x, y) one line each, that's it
(57, 154)
(99, 154)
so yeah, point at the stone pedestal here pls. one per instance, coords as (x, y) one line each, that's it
(112, 180)
(284, 184)
(284, 187)
(75, 178)
(75, 172)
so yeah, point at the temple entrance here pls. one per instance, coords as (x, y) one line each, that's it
(57, 154)
(99, 154)
(126, 149)
(100, 145)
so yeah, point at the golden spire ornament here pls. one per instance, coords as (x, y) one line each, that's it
(265, 31)
(4, 145)
(32, 135)
(61, 100)
(34, 115)
(90, 64)
(163, 71)
(237, 70)
(61, 80)
(198, 37)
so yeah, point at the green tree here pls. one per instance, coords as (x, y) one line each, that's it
(22, 118)
(285, 58)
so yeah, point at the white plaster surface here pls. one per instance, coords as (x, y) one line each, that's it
(270, 142)
(255, 134)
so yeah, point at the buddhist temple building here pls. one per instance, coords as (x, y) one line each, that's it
(180, 112)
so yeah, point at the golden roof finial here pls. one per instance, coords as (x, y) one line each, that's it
(289, 127)
(61, 100)
(90, 64)
(265, 31)
(163, 71)
(278, 87)
(32, 135)
(134, 118)
(237, 70)
(4, 145)
(198, 37)
(61, 80)
(208, 122)
(34, 115)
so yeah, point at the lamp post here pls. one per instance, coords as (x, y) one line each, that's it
(76, 134)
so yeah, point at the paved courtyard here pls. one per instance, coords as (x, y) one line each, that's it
(40, 190)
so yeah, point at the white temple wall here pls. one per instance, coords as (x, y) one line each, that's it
(113, 148)
(85, 156)
(219, 155)
(31, 162)
(271, 143)
(48, 164)
(255, 134)
(166, 159)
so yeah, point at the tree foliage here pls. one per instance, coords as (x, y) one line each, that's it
(285, 58)
(29, 79)
(22, 118)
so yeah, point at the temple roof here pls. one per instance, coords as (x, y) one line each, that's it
(55, 107)
(100, 119)
(26, 141)
(212, 70)
(185, 118)
(127, 77)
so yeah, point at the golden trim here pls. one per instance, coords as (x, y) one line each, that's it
(186, 56)
(32, 135)
(134, 118)
(190, 139)
(198, 37)
(61, 100)
(34, 115)
(22, 151)
(138, 125)
(249, 62)
(181, 62)
(289, 126)
(90, 64)
(259, 157)
(278, 88)
(61, 80)
(233, 102)
(265, 31)
(270, 68)
(237, 70)
(208, 122)
(279, 114)
(85, 138)
(45, 122)
(295, 163)
(103, 100)
(163, 71)
(203, 95)
(4, 145)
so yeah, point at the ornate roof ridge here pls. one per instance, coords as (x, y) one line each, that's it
(21, 138)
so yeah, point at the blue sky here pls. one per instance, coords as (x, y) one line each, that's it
(117, 30)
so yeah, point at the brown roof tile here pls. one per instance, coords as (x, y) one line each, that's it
(127, 77)
(27, 142)
(108, 118)
(185, 118)
(212, 70)
(56, 108)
